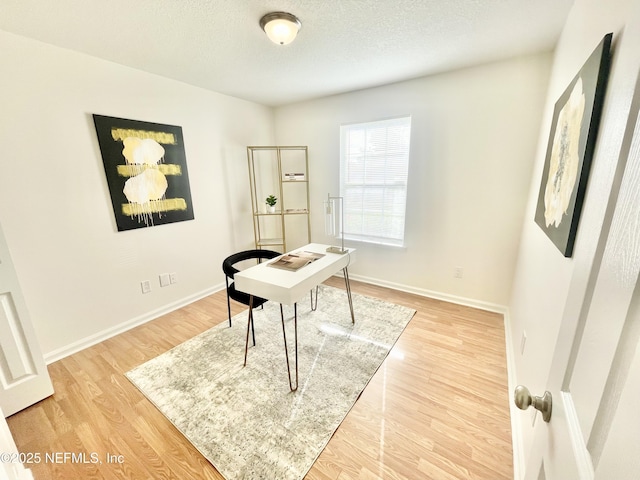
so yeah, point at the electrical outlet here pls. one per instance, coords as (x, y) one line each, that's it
(523, 342)
(173, 278)
(457, 272)
(146, 286)
(164, 279)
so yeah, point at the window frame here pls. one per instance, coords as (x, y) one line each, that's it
(376, 223)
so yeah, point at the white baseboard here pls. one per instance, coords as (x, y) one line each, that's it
(127, 325)
(467, 302)
(134, 322)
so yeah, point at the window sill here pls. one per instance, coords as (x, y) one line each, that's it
(374, 243)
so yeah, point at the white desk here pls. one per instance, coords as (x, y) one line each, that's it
(288, 287)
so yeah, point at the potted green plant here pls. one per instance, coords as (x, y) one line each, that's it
(271, 200)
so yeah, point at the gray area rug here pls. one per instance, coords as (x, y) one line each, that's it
(245, 420)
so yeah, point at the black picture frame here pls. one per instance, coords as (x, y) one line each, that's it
(572, 140)
(146, 169)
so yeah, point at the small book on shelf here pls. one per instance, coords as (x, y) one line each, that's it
(295, 261)
(294, 176)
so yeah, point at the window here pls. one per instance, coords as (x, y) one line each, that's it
(374, 166)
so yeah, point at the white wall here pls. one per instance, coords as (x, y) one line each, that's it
(474, 137)
(546, 284)
(81, 278)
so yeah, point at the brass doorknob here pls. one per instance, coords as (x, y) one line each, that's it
(523, 399)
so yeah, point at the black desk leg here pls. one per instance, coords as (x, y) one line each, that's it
(348, 286)
(286, 350)
(249, 326)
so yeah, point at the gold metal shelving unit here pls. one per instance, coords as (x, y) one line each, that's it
(284, 173)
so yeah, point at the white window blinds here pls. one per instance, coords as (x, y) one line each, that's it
(374, 166)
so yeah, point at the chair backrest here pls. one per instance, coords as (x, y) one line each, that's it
(231, 260)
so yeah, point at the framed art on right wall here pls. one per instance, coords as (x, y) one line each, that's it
(574, 129)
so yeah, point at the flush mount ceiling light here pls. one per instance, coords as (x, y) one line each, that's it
(280, 27)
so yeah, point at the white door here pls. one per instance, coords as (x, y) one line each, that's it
(24, 379)
(594, 430)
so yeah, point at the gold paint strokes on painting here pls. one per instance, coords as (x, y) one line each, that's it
(133, 170)
(154, 206)
(119, 134)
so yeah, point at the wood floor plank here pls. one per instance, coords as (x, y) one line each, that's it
(437, 407)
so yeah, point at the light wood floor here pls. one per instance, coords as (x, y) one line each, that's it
(436, 409)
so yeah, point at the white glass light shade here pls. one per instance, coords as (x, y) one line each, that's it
(329, 217)
(333, 221)
(280, 27)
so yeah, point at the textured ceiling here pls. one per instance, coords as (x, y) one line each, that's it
(343, 45)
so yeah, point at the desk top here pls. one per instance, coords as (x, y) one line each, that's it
(288, 287)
